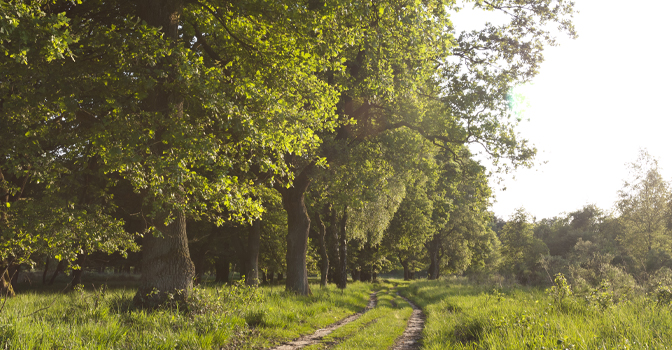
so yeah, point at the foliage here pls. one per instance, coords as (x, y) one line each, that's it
(643, 202)
(521, 251)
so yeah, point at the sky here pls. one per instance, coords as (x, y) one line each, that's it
(597, 101)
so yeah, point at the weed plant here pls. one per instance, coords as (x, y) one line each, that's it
(461, 315)
(232, 316)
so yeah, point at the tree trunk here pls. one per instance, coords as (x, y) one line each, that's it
(6, 288)
(407, 271)
(298, 228)
(199, 263)
(271, 276)
(166, 265)
(343, 248)
(324, 266)
(14, 270)
(433, 249)
(59, 268)
(253, 243)
(77, 274)
(332, 243)
(222, 269)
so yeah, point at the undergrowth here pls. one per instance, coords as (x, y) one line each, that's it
(234, 316)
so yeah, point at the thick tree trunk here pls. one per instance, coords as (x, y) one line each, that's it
(298, 228)
(343, 249)
(166, 264)
(253, 243)
(77, 274)
(324, 266)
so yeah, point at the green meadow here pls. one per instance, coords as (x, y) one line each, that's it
(460, 315)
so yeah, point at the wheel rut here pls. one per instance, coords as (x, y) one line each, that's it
(412, 336)
(317, 336)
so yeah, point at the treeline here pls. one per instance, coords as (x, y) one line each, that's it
(623, 251)
(214, 129)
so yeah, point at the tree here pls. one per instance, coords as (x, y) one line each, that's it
(404, 69)
(463, 237)
(521, 251)
(643, 203)
(181, 99)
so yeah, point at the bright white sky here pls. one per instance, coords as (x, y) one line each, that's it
(595, 103)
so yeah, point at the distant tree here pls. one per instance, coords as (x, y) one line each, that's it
(643, 205)
(521, 251)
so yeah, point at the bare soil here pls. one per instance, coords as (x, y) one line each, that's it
(411, 339)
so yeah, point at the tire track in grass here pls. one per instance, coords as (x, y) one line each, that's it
(316, 337)
(410, 340)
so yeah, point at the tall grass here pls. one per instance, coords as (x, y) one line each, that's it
(461, 315)
(218, 316)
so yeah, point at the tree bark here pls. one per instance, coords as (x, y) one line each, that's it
(166, 264)
(324, 266)
(343, 248)
(253, 243)
(298, 228)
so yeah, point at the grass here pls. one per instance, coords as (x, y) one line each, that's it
(460, 315)
(466, 316)
(376, 329)
(216, 316)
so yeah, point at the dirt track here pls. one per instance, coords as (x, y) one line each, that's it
(410, 339)
(413, 333)
(316, 337)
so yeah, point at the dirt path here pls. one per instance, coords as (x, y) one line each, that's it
(316, 337)
(413, 333)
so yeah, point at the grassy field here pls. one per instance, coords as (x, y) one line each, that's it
(461, 315)
(235, 317)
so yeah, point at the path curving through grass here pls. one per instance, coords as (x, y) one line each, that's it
(412, 336)
(315, 338)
